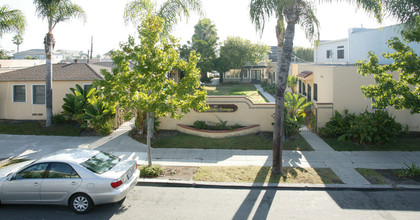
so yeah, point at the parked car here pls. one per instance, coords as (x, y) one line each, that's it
(79, 178)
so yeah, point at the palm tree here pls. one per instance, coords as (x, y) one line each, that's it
(170, 10)
(262, 10)
(11, 20)
(292, 12)
(54, 11)
(18, 40)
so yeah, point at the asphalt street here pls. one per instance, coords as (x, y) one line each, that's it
(151, 202)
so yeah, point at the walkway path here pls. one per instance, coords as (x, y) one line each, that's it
(267, 95)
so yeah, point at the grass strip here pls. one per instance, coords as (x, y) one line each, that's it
(36, 128)
(246, 142)
(247, 90)
(402, 144)
(372, 176)
(256, 174)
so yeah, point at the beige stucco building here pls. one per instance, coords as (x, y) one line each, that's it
(336, 87)
(22, 92)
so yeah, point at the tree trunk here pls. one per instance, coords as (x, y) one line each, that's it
(150, 130)
(49, 43)
(284, 64)
(277, 137)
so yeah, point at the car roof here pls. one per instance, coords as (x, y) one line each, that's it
(70, 155)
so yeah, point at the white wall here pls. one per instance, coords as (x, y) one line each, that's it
(320, 52)
(361, 42)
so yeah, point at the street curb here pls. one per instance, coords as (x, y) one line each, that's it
(283, 186)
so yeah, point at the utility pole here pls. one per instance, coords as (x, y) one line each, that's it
(91, 47)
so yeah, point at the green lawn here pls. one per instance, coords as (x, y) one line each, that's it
(247, 90)
(36, 128)
(247, 142)
(402, 144)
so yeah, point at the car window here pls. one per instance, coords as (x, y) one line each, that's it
(101, 162)
(61, 170)
(33, 172)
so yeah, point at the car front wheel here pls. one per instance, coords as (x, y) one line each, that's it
(81, 203)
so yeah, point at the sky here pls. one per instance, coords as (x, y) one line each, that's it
(106, 25)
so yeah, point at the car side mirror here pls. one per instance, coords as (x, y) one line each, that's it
(11, 177)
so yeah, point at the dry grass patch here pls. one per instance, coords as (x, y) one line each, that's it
(256, 174)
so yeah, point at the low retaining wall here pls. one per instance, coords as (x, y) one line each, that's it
(220, 133)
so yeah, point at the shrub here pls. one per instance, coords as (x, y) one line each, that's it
(269, 87)
(59, 119)
(221, 125)
(75, 103)
(99, 116)
(367, 128)
(294, 113)
(408, 171)
(200, 125)
(236, 126)
(150, 172)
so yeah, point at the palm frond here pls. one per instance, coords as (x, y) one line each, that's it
(11, 20)
(172, 11)
(136, 10)
(308, 21)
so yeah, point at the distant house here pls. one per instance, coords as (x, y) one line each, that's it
(38, 54)
(356, 47)
(333, 84)
(22, 92)
(264, 71)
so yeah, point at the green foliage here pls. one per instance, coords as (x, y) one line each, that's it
(200, 125)
(292, 81)
(294, 113)
(3, 55)
(99, 115)
(403, 91)
(59, 119)
(236, 52)
(75, 103)
(11, 20)
(150, 171)
(304, 54)
(269, 87)
(408, 171)
(221, 125)
(367, 128)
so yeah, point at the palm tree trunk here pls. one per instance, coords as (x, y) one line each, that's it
(150, 130)
(49, 47)
(286, 56)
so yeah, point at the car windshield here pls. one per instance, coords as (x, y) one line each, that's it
(101, 162)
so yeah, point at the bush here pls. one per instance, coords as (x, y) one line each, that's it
(221, 125)
(200, 125)
(150, 172)
(99, 116)
(368, 128)
(59, 119)
(294, 113)
(269, 87)
(408, 171)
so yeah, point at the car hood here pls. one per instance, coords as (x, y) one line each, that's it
(13, 168)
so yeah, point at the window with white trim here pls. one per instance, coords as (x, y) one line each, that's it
(19, 93)
(329, 54)
(340, 52)
(38, 94)
(315, 92)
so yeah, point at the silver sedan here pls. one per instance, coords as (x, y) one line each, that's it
(78, 178)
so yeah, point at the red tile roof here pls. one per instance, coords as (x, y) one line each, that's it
(305, 74)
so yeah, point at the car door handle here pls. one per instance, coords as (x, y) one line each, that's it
(36, 184)
(73, 183)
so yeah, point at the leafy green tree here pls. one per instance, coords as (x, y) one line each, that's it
(291, 12)
(18, 40)
(54, 11)
(4, 56)
(238, 52)
(204, 42)
(11, 20)
(171, 11)
(304, 54)
(402, 92)
(145, 85)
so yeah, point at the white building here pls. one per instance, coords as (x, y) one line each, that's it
(356, 47)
